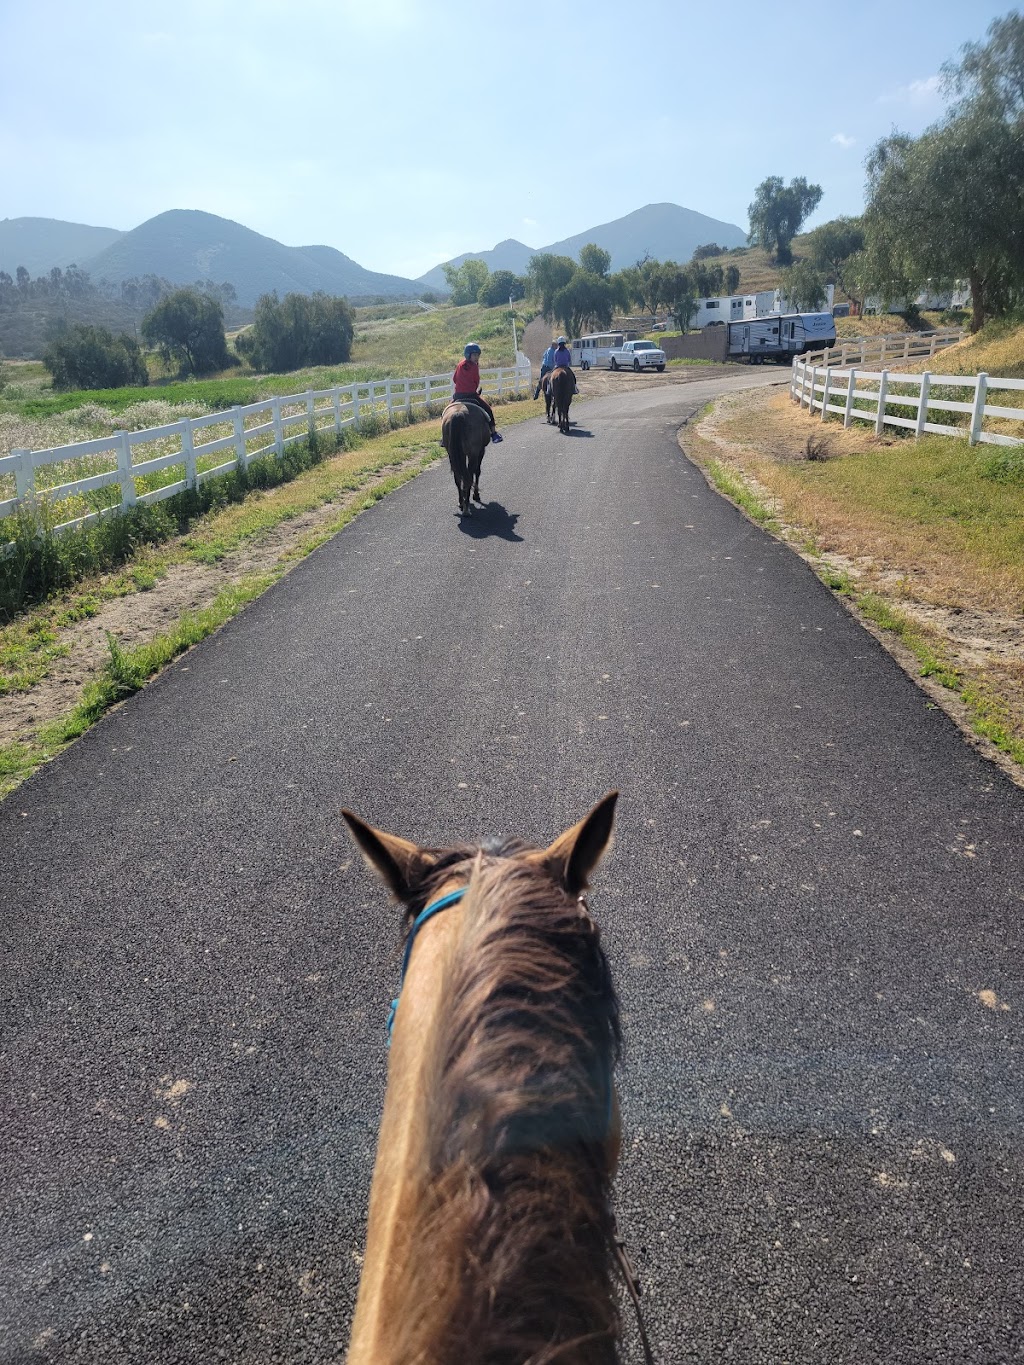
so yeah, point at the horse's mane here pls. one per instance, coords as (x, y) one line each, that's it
(515, 1228)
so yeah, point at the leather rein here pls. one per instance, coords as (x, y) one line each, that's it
(625, 1265)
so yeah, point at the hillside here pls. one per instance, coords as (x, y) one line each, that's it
(664, 231)
(185, 245)
(41, 243)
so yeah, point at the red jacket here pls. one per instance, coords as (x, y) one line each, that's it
(467, 376)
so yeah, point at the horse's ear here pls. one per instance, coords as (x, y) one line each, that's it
(575, 854)
(400, 864)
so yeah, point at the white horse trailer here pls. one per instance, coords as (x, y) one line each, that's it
(592, 352)
(780, 336)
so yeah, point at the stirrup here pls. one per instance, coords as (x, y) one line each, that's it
(496, 437)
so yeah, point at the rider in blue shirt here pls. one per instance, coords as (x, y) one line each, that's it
(547, 364)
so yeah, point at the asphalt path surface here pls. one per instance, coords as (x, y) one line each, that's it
(813, 911)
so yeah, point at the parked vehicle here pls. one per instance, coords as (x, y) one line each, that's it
(593, 350)
(637, 355)
(780, 336)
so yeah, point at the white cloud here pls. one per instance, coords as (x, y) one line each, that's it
(917, 93)
(843, 139)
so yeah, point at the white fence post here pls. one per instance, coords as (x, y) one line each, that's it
(310, 414)
(24, 474)
(239, 425)
(883, 385)
(275, 411)
(824, 396)
(189, 453)
(124, 468)
(977, 416)
(814, 386)
(336, 404)
(388, 400)
(922, 407)
(355, 405)
(850, 387)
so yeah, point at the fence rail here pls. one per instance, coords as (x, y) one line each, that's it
(866, 352)
(241, 435)
(871, 396)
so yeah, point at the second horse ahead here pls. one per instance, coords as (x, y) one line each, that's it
(559, 388)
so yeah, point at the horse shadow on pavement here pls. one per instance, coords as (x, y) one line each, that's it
(490, 519)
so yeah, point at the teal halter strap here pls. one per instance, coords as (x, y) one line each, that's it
(417, 924)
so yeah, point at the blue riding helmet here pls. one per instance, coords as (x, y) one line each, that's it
(471, 349)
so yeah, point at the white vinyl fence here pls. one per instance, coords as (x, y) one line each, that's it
(191, 448)
(886, 399)
(873, 352)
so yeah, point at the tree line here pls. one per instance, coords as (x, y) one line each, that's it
(186, 328)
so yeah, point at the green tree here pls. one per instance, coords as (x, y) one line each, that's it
(466, 281)
(301, 329)
(947, 206)
(777, 212)
(732, 279)
(585, 303)
(701, 253)
(594, 260)
(84, 357)
(680, 294)
(188, 328)
(500, 287)
(990, 76)
(708, 280)
(836, 248)
(547, 275)
(804, 287)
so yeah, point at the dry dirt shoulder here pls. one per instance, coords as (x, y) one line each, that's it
(983, 644)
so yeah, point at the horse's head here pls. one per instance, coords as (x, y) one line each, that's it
(412, 873)
(500, 1132)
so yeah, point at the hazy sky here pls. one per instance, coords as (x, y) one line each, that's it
(402, 136)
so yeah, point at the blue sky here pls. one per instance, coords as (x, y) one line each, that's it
(403, 137)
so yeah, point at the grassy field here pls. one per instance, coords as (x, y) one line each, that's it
(34, 417)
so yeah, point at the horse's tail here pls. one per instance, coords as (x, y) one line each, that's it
(457, 454)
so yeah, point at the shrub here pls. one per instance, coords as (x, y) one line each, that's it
(301, 329)
(188, 327)
(93, 358)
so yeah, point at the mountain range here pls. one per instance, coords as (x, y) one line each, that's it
(664, 231)
(186, 245)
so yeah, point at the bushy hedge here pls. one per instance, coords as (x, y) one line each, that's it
(93, 358)
(299, 330)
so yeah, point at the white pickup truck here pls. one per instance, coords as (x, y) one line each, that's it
(637, 355)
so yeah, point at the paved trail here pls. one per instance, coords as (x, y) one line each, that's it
(814, 913)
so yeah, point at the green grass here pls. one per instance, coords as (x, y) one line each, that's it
(726, 482)
(969, 497)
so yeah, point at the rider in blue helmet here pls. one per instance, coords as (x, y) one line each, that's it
(467, 384)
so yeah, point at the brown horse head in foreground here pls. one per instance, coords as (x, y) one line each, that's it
(563, 386)
(465, 433)
(491, 1234)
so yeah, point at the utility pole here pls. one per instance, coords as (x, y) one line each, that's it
(515, 338)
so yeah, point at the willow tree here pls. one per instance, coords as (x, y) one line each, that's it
(947, 206)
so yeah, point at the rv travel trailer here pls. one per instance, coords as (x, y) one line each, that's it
(779, 336)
